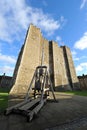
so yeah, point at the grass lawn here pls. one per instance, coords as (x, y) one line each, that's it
(3, 99)
(80, 93)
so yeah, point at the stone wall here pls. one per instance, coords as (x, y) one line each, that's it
(83, 82)
(57, 59)
(5, 81)
(29, 60)
(70, 69)
(60, 77)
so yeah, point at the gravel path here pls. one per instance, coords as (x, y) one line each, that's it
(70, 113)
(78, 124)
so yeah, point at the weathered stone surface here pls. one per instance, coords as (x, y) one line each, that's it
(57, 59)
(83, 82)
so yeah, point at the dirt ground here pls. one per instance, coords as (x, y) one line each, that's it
(70, 113)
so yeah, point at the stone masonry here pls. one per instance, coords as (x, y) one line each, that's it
(57, 59)
(83, 82)
(5, 82)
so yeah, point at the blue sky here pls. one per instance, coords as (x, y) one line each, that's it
(64, 21)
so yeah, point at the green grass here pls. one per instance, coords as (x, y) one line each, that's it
(80, 93)
(3, 99)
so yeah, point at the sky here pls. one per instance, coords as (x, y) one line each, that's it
(63, 21)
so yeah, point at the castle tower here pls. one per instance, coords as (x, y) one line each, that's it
(57, 59)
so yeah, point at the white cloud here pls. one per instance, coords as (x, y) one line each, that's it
(7, 59)
(75, 56)
(7, 69)
(84, 57)
(16, 15)
(74, 53)
(83, 4)
(7, 64)
(63, 21)
(58, 38)
(79, 68)
(76, 59)
(82, 67)
(82, 42)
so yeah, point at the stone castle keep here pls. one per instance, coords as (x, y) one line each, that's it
(57, 59)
